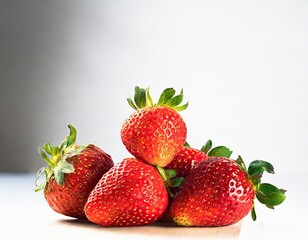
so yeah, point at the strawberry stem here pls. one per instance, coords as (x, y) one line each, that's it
(169, 179)
(266, 193)
(55, 157)
(164, 175)
(142, 99)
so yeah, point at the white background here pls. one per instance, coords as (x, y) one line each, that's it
(242, 65)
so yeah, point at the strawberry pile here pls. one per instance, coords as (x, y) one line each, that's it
(166, 180)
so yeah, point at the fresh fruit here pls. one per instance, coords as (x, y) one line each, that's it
(131, 193)
(156, 132)
(72, 173)
(188, 158)
(221, 191)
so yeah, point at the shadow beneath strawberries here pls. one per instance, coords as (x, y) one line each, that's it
(78, 223)
(159, 229)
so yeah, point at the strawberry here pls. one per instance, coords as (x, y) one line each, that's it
(155, 133)
(221, 191)
(188, 158)
(72, 173)
(131, 193)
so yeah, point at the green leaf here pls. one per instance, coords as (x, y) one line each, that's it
(47, 147)
(186, 144)
(49, 173)
(207, 146)
(131, 103)
(54, 151)
(149, 101)
(171, 173)
(220, 151)
(257, 167)
(177, 182)
(63, 145)
(59, 175)
(181, 108)
(72, 136)
(166, 95)
(270, 195)
(40, 186)
(256, 180)
(67, 167)
(62, 167)
(175, 101)
(44, 156)
(241, 163)
(140, 97)
(253, 213)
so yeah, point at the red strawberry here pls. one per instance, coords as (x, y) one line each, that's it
(186, 160)
(73, 172)
(221, 192)
(155, 133)
(131, 193)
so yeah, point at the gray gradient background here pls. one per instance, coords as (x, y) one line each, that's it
(243, 67)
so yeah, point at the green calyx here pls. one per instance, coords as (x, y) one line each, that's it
(169, 179)
(266, 193)
(219, 151)
(56, 157)
(142, 99)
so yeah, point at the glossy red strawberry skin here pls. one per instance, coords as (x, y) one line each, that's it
(186, 159)
(216, 193)
(69, 199)
(131, 193)
(154, 134)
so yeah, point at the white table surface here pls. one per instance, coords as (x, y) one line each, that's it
(25, 214)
